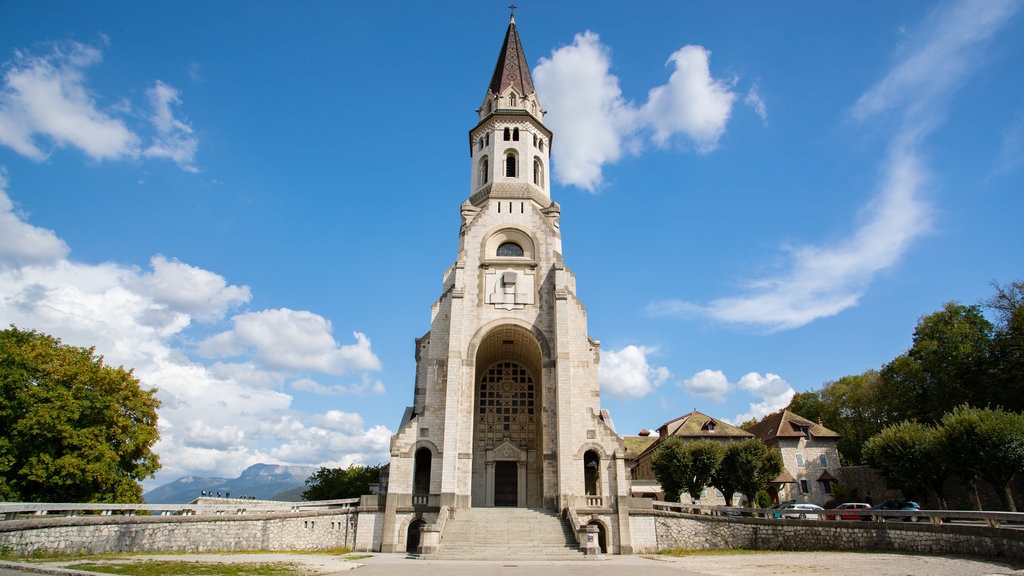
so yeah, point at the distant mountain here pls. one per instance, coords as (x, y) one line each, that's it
(263, 481)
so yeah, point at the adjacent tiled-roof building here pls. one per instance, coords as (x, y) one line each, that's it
(689, 427)
(809, 456)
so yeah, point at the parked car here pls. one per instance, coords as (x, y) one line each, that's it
(795, 510)
(769, 512)
(850, 506)
(899, 505)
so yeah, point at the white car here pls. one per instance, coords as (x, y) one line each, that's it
(797, 510)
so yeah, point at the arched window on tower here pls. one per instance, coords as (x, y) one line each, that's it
(508, 134)
(511, 99)
(534, 140)
(421, 472)
(481, 143)
(510, 166)
(538, 172)
(483, 170)
(515, 134)
(591, 473)
(510, 249)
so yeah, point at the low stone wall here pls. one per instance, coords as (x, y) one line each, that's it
(653, 531)
(319, 530)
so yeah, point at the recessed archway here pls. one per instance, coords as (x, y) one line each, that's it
(507, 430)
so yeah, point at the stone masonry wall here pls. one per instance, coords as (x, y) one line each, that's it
(320, 530)
(666, 531)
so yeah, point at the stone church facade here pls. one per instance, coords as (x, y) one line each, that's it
(506, 408)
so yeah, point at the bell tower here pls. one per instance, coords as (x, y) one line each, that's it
(506, 405)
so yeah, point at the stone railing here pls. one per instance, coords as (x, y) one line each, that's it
(198, 507)
(695, 527)
(993, 519)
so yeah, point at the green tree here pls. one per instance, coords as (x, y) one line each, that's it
(909, 457)
(856, 406)
(671, 463)
(986, 443)
(1007, 366)
(747, 467)
(71, 428)
(947, 365)
(706, 456)
(337, 483)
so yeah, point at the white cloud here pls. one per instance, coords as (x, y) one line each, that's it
(174, 139)
(756, 102)
(596, 125)
(367, 384)
(627, 374)
(45, 103)
(822, 281)
(588, 111)
(710, 385)
(692, 103)
(200, 293)
(46, 96)
(22, 243)
(774, 394)
(216, 418)
(291, 340)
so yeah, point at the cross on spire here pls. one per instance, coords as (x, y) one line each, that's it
(512, 17)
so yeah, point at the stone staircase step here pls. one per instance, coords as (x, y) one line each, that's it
(507, 534)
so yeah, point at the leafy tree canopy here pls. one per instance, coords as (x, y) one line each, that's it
(958, 356)
(337, 483)
(72, 429)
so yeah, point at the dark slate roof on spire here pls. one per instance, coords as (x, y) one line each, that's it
(512, 69)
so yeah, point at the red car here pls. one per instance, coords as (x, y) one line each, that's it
(850, 506)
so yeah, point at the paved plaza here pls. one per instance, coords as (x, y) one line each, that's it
(760, 564)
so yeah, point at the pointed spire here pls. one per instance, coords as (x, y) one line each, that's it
(512, 68)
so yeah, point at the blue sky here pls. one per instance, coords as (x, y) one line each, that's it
(252, 203)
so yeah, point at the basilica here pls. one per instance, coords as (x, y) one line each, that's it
(506, 409)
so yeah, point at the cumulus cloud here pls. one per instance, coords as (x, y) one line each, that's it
(368, 384)
(626, 373)
(596, 125)
(200, 293)
(291, 340)
(710, 385)
(46, 104)
(692, 103)
(217, 417)
(20, 242)
(589, 114)
(774, 394)
(822, 281)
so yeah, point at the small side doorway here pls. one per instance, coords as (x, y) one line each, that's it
(506, 484)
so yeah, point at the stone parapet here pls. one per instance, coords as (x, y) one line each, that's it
(655, 530)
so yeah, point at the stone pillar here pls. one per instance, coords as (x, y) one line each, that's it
(430, 538)
(587, 536)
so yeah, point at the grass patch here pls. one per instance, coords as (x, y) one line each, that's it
(186, 568)
(358, 556)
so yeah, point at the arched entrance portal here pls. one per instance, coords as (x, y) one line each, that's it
(507, 420)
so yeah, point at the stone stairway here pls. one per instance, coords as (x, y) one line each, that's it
(507, 534)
